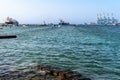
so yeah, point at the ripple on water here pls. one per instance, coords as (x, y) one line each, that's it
(94, 51)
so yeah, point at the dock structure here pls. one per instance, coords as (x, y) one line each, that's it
(6, 36)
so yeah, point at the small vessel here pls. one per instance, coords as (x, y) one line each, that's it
(24, 25)
(63, 23)
(59, 25)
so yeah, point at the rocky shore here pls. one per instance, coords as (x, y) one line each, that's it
(41, 72)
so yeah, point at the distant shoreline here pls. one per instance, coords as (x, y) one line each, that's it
(11, 25)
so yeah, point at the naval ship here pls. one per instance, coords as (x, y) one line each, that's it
(63, 22)
(11, 21)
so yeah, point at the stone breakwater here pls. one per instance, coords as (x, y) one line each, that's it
(41, 72)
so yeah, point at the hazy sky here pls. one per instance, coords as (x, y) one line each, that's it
(73, 11)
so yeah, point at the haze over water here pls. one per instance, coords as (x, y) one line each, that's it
(94, 51)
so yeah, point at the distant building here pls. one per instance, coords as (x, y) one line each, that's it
(10, 21)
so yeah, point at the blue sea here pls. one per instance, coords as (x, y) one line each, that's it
(94, 51)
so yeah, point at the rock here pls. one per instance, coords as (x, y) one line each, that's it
(40, 72)
(45, 68)
(72, 74)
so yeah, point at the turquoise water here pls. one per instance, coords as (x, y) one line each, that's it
(94, 51)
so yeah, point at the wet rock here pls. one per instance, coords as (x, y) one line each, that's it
(45, 68)
(40, 72)
(72, 74)
(55, 71)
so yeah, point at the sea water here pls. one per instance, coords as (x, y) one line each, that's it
(94, 51)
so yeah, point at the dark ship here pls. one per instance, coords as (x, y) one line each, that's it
(63, 23)
(10, 21)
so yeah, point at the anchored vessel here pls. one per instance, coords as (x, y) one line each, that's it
(63, 23)
(11, 21)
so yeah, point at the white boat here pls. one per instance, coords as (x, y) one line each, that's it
(59, 25)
